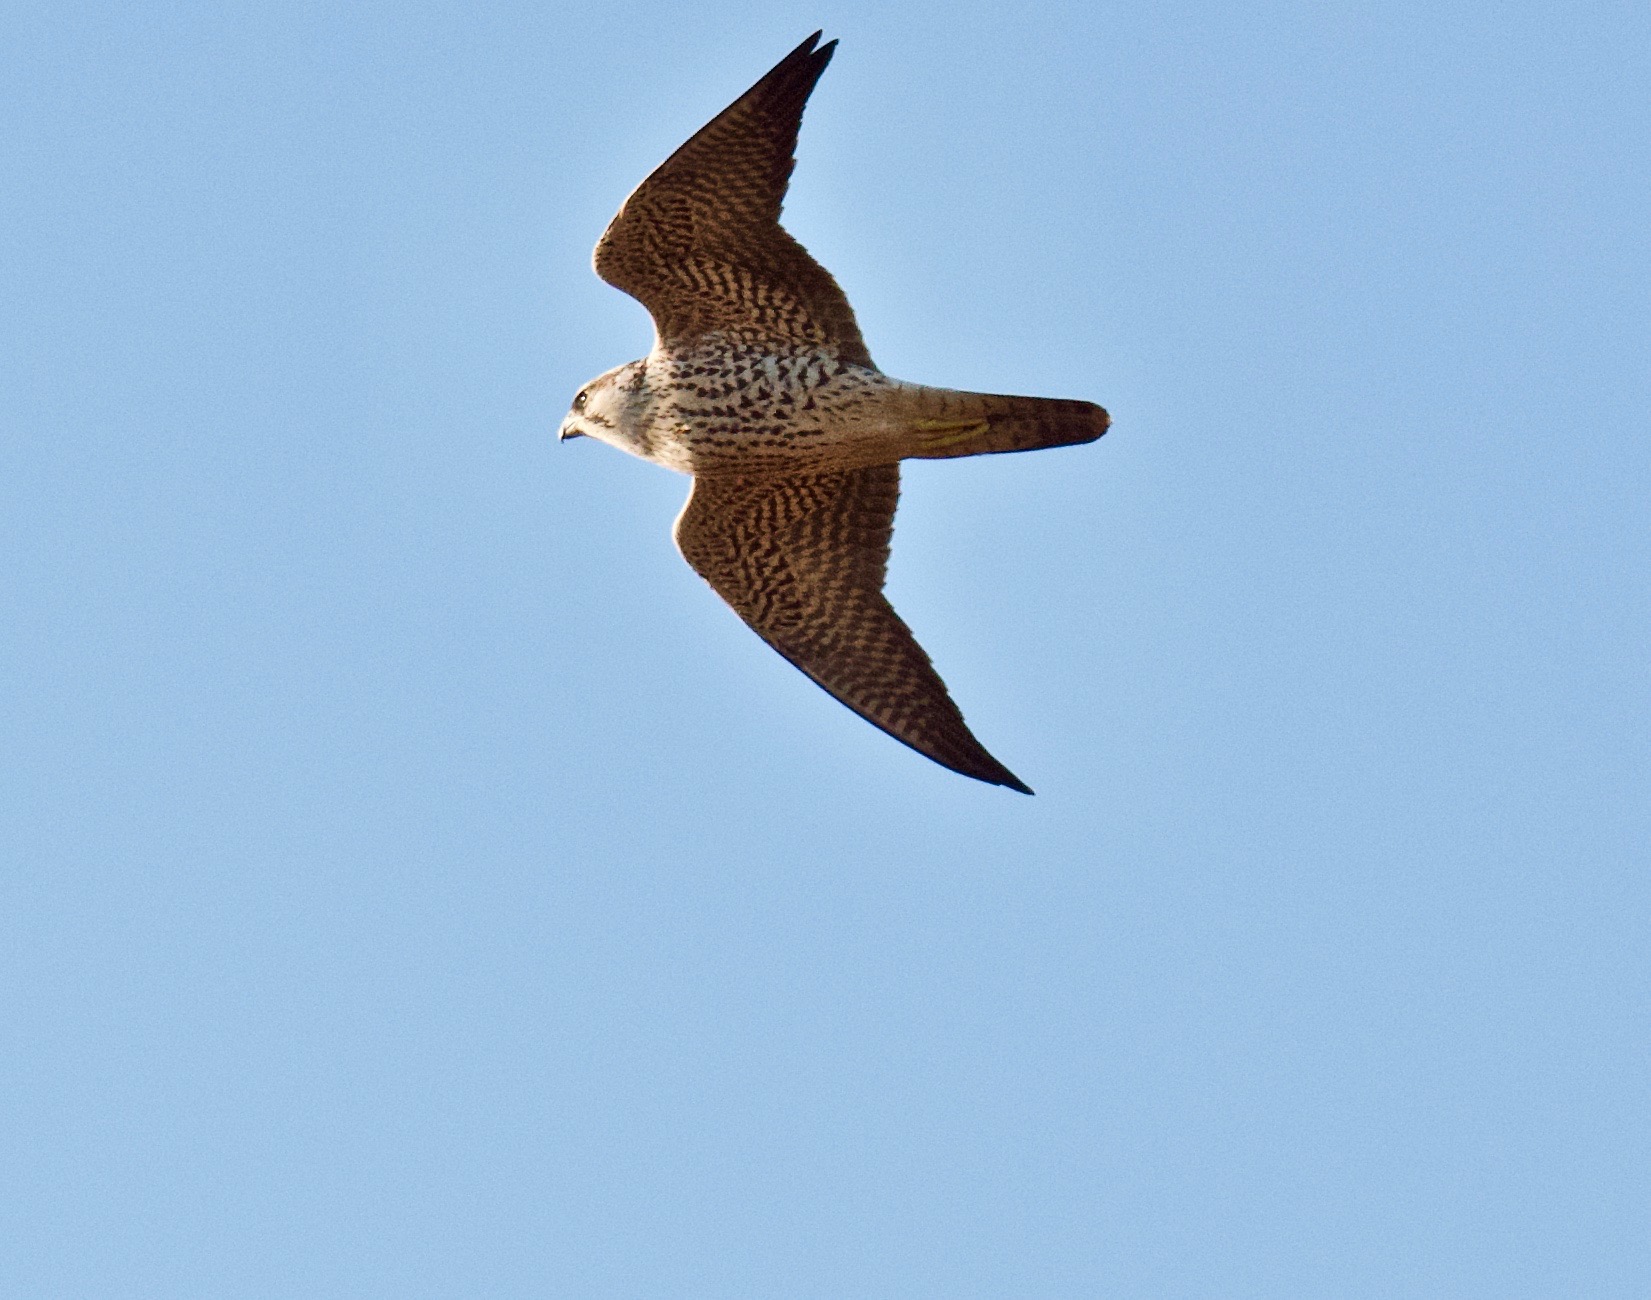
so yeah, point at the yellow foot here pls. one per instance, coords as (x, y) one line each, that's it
(937, 435)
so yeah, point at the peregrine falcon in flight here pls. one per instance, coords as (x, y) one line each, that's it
(760, 386)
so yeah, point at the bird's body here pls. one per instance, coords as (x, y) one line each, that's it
(760, 387)
(726, 407)
(723, 406)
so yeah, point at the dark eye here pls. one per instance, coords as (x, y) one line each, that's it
(579, 401)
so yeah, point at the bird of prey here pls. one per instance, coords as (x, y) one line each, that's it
(760, 386)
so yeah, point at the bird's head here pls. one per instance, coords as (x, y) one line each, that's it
(608, 407)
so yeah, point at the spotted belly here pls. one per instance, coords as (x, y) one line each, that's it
(734, 410)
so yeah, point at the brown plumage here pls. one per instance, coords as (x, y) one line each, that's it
(802, 559)
(699, 243)
(760, 386)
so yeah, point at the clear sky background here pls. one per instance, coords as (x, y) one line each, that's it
(417, 884)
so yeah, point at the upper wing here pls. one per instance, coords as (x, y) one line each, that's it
(699, 242)
(801, 558)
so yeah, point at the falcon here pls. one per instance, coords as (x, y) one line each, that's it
(760, 387)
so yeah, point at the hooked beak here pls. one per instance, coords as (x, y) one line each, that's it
(567, 431)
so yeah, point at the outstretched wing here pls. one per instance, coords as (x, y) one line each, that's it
(801, 558)
(699, 242)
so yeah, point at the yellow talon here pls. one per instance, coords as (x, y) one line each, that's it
(948, 433)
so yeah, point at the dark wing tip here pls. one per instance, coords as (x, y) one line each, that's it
(988, 769)
(1016, 784)
(799, 71)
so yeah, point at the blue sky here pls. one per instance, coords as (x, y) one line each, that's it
(419, 884)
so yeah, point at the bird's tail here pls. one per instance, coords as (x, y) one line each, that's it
(943, 422)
